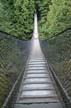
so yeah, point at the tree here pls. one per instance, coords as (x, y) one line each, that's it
(17, 17)
(42, 10)
(59, 16)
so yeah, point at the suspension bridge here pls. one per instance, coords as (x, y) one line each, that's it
(37, 86)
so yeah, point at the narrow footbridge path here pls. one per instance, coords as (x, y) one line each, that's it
(38, 88)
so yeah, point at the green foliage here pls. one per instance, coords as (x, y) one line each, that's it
(59, 16)
(16, 17)
(42, 9)
(54, 16)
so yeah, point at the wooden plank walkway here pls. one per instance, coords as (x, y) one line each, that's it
(37, 88)
(37, 85)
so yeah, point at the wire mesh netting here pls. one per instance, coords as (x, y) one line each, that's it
(13, 56)
(58, 52)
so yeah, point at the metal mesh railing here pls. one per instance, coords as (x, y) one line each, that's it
(58, 52)
(13, 56)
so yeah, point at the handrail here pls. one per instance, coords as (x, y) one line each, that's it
(13, 36)
(13, 56)
(66, 98)
(64, 94)
(58, 34)
(8, 102)
(54, 50)
(65, 30)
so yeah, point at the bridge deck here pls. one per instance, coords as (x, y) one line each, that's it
(37, 86)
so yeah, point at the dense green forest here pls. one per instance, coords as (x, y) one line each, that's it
(42, 7)
(16, 17)
(54, 16)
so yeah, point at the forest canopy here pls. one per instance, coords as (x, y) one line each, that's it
(55, 17)
(17, 16)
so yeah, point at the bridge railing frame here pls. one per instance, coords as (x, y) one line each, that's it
(63, 92)
(12, 95)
